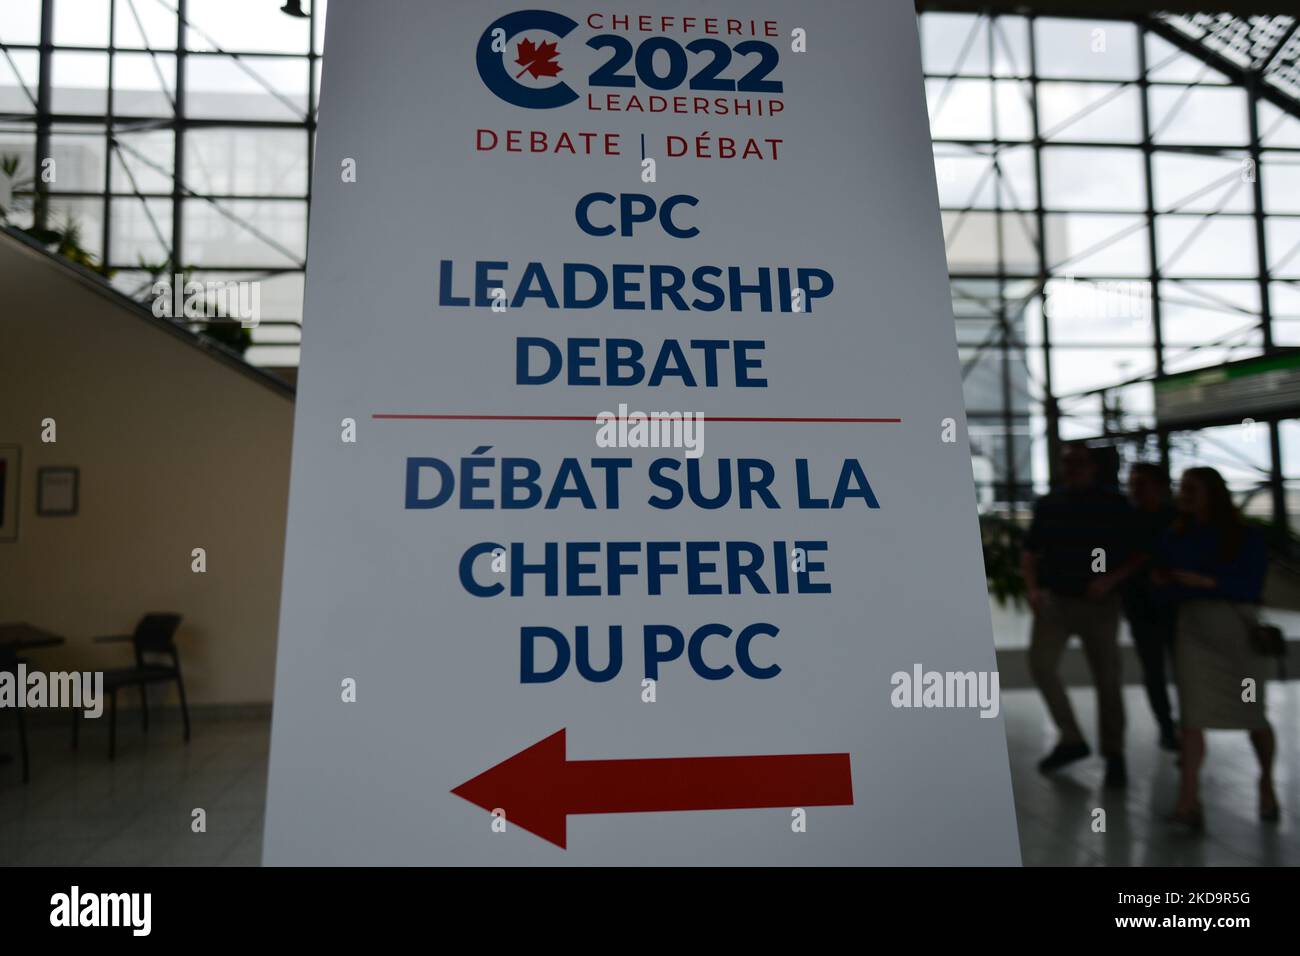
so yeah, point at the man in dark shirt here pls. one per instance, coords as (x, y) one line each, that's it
(1079, 550)
(1150, 618)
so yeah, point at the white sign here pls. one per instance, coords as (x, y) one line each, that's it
(631, 519)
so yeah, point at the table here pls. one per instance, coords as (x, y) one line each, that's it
(24, 637)
(21, 636)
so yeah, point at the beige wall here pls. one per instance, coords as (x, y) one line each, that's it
(177, 450)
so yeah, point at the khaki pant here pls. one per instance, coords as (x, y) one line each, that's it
(1097, 624)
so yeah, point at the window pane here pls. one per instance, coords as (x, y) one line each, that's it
(1093, 179)
(954, 43)
(1280, 179)
(1207, 245)
(231, 160)
(1087, 244)
(1086, 49)
(983, 370)
(137, 228)
(218, 88)
(989, 441)
(1187, 182)
(1078, 369)
(976, 303)
(18, 90)
(245, 25)
(960, 109)
(80, 83)
(1018, 177)
(1283, 243)
(144, 84)
(320, 8)
(20, 21)
(1195, 313)
(1199, 116)
(158, 22)
(972, 242)
(1015, 118)
(967, 177)
(1010, 46)
(80, 23)
(1277, 128)
(1099, 312)
(1089, 112)
(144, 161)
(1167, 63)
(212, 239)
(78, 153)
(1285, 299)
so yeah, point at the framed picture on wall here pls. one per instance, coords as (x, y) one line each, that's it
(9, 474)
(56, 491)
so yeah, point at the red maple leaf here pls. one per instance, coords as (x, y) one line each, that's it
(537, 59)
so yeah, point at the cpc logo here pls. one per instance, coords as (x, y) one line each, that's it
(538, 60)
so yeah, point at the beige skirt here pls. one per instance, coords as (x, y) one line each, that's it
(1213, 655)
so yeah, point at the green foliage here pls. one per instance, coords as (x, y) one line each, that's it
(231, 334)
(1003, 542)
(64, 238)
(9, 167)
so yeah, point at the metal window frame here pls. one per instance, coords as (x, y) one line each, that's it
(986, 16)
(45, 122)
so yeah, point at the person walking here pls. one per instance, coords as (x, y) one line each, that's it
(1150, 618)
(1078, 552)
(1213, 566)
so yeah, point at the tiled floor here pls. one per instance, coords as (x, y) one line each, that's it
(82, 810)
(1056, 813)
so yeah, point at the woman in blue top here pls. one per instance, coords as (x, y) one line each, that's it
(1212, 565)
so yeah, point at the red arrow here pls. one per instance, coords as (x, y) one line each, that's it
(539, 787)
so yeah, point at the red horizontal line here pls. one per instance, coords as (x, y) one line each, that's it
(591, 419)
